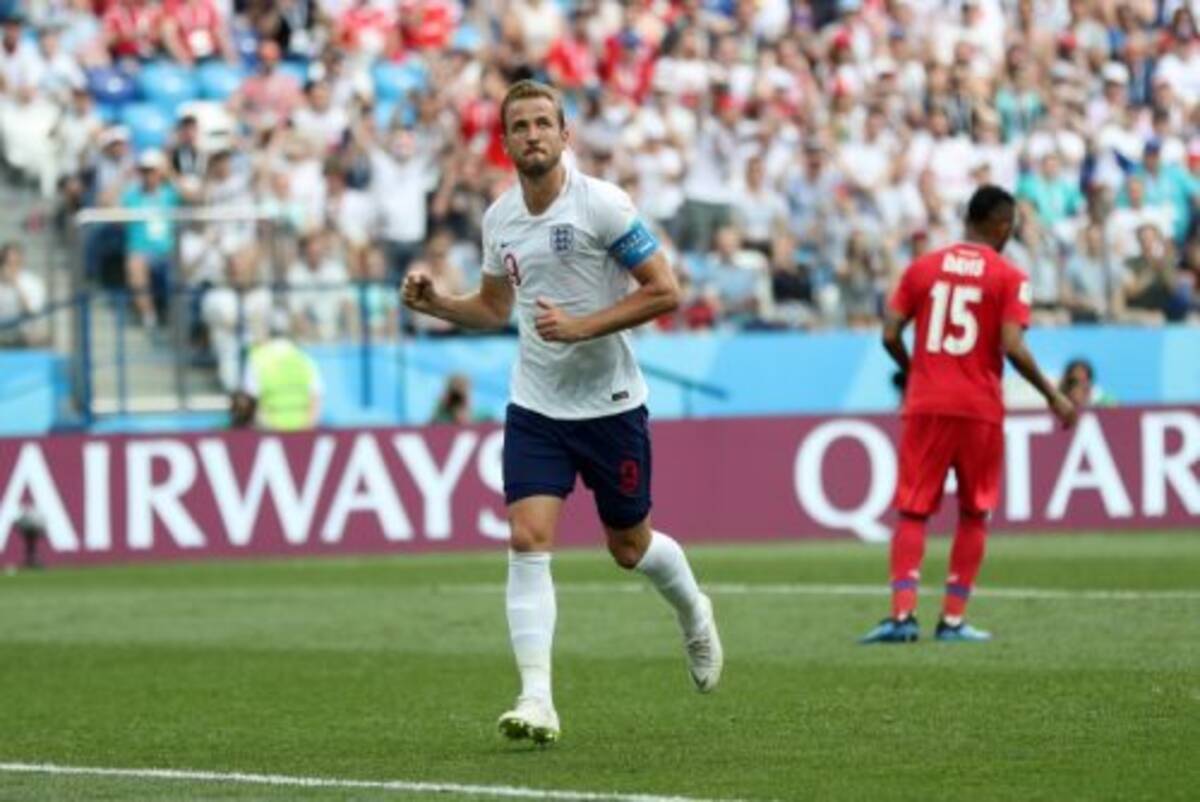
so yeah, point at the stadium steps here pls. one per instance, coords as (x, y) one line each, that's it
(149, 378)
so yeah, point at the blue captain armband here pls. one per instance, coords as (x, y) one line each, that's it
(634, 246)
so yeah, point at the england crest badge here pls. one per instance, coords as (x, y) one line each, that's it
(562, 239)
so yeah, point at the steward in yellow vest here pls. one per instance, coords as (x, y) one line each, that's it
(286, 385)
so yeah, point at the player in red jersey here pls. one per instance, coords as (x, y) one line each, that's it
(971, 308)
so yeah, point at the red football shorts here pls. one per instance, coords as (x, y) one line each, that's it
(930, 445)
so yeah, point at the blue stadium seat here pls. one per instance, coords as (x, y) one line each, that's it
(467, 39)
(218, 80)
(395, 81)
(246, 44)
(111, 86)
(296, 69)
(108, 112)
(384, 109)
(167, 84)
(149, 125)
(389, 111)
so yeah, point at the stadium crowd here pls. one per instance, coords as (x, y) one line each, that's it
(793, 156)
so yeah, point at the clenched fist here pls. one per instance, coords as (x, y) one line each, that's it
(555, 325)
(418, 293)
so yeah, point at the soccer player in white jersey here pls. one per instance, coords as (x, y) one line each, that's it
(563, 246)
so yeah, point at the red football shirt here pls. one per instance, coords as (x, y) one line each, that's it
(960, 297)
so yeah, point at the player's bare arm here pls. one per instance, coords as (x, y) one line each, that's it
(1013, 337)
(657, 294)
(488, 308)
(893, 339)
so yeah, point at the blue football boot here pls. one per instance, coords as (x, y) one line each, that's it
(891, 630)
(962, 633)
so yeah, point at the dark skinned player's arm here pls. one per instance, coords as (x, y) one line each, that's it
(893, 339)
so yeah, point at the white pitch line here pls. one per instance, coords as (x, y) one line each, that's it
(282, 780)
(817, 589)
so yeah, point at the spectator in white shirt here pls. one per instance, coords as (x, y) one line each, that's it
(759, 210)
(438, 263)
(534, 25)
(21, 294)
(1131, 216)
(347, 214)
(865, 162)
(77, 130)
(319, 297)
(319, 119)
(1180, 67)
(659, 168)
(398, 183)
(20, 65)
(237, 315)
(708, 187)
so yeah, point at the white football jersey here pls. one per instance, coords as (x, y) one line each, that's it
(565, 255)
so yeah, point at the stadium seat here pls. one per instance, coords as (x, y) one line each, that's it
(108, 112)
(149, 125)
(388, 112)
(467, 39)
(396, 81)
(246, 44)
(218, 80)
(111, 86)
(296, 69)
(384, 110)
(167, 85)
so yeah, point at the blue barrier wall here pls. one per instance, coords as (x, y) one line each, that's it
(33, 391)
(761, 373)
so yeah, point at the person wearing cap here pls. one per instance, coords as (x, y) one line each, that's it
(1168, 186)
(282, 381)
(111, 166)
(1114, 97)
(150, 239)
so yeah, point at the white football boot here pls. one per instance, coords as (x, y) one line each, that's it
(532, 718)
(704, 653)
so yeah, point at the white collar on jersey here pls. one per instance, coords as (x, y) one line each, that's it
(562, 192)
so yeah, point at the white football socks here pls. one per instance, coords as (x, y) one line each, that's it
(666, 566)
(531, 614)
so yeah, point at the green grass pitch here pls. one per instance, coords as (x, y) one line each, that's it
(396, 668)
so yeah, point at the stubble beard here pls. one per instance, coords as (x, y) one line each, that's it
(537, 169)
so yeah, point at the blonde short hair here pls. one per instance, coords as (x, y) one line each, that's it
(527, 89)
